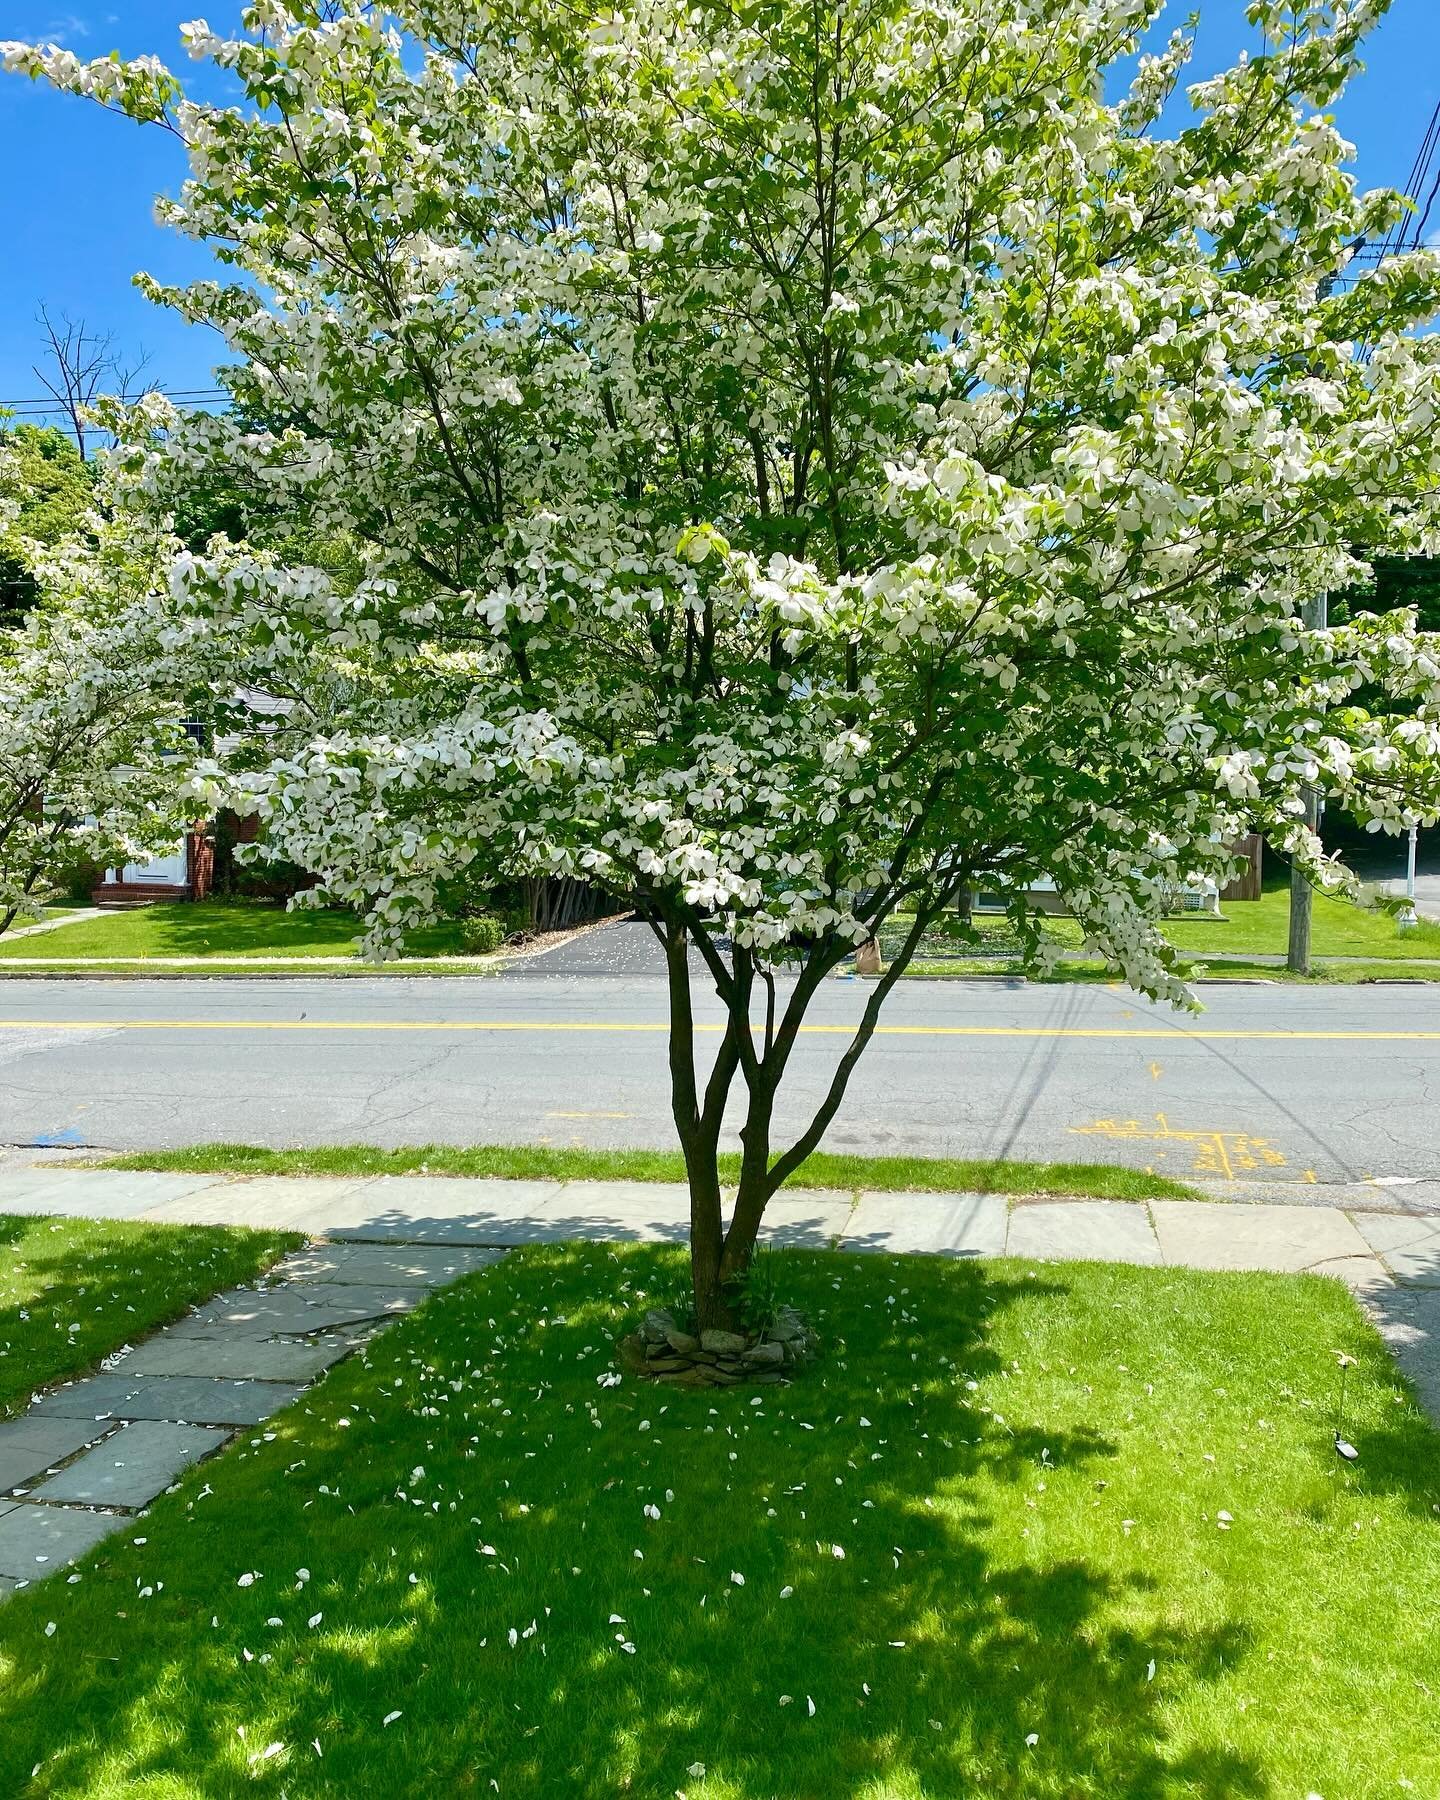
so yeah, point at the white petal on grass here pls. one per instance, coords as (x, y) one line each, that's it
(737, 1578)
(390, 1718)
(1032, 1740)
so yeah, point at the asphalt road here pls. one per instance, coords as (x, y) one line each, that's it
(1271, 1083)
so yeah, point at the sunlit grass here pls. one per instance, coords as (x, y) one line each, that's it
(1095, 1543)
(539, 1162)
(234, 930)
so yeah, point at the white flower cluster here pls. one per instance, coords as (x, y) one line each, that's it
(779, 508)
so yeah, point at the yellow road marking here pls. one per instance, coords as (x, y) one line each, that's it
(659, 1026)
(1222, 1153)
(1156, 1071)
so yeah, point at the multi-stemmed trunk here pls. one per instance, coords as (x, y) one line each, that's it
(758, 1049)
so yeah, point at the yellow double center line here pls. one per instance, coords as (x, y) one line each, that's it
(659, 1027)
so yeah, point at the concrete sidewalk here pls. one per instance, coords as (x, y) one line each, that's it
(1390, 1260)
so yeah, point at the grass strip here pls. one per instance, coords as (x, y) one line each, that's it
(543, 1162)
(1031, 1533)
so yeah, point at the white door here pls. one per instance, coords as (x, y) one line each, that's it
(163, 871)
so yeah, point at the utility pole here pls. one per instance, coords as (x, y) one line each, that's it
(1316, 616)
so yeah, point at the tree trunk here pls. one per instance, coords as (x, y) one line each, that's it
(720, 1258)
(699, 1132)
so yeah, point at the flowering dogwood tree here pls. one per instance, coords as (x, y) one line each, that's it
(93, 689)
(806, 460)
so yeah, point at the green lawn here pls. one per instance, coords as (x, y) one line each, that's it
(1215, 968)
(1248, 928)
(218, 928)
(1023, 1533)
(524, 1162)
(73, 1290)
(1338, 928)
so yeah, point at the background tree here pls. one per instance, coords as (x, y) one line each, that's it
(78, 367)
(805, 460)
(52, 490)
(94, 687)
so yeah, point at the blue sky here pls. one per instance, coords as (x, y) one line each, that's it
(76, 203)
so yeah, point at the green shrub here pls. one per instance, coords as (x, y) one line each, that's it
(482, 934)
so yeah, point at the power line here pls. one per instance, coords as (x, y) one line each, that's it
(188, 396)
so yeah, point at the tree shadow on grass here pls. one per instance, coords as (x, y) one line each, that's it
(91, 1286)
(469, 1499)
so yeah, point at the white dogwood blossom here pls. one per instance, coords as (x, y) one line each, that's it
(805, 461)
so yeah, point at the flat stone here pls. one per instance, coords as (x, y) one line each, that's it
(382, 1265)
(938, 1224)
(37, 1540)
(806, 1219)
(236, 1357)
(195, 1399)
(134, 1465)
(1362, 1273)
(29, 1446)
(265, 1202)
(650, 1212)
(1199, 1235)
(722, 1342)
(87, 1193)
(435, 1209)
(363, 1300)
(292, 1310)
(1083, 1230)
(1409, 1244)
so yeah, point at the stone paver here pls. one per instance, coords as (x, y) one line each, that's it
(403, 1266)
(37, 1540)
(937, 1224)
(132, 1467)
(1084, 1230)
(1286, 1238)
(1410, 1246)
(194, 1399)
(289, 1310)
(120, 1437)
(271, 1202)
(805, 1218)
(434, 1209)
(69, 1193)
(29, 1446)
(237, 1358)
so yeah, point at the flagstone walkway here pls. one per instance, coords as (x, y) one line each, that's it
(116, 1439)
(88, 1456)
